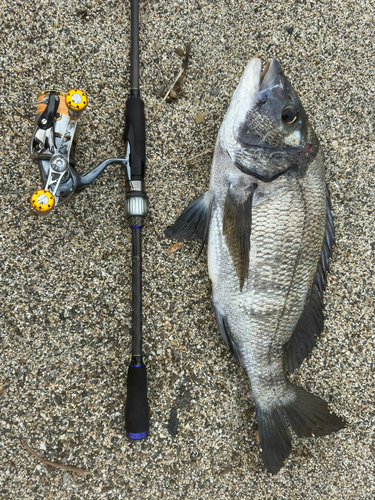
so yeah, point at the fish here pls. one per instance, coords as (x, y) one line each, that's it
(267, 220)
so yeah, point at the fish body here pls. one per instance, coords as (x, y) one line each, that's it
(267, 219)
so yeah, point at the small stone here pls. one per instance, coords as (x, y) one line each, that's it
(175, 247)
(159, 91)
(57, 399)
(199, 118)
(226, 471)
(67, 478)
(173, 94)
(214, 92)
(173, 423)
(290, 30)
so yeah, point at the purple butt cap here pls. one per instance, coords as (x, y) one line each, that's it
(137, 435)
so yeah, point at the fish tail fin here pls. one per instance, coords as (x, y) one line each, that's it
(308, 416)
(275, 438)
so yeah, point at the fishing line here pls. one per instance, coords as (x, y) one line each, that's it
(54, 45)
(35, 103)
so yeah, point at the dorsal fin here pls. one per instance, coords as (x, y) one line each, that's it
(194, 222)
(310, 324)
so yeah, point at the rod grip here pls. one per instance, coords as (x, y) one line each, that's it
(136, 136)
(137, 412)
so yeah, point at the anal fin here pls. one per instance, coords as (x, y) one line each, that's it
(228, 338)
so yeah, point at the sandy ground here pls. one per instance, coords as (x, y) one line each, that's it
(65, 279)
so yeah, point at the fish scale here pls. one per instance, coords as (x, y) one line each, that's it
(267, 219)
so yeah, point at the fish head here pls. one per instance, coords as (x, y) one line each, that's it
(266, 131)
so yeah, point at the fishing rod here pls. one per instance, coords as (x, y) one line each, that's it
(137, 410)
(52, 147)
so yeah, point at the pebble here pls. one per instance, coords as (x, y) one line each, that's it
(199, 118)
(67, 478)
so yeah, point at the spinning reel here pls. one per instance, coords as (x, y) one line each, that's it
(52, 147)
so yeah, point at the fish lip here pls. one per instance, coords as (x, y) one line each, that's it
(263, 78)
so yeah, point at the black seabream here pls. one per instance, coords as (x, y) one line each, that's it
(267, 220)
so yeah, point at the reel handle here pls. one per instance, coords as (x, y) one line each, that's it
(52, 147)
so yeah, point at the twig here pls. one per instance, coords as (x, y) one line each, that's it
(54, 464)
(198, 156)
(21, 115)
(167, 94)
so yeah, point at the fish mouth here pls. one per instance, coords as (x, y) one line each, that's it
(264, 72)
(267, 77)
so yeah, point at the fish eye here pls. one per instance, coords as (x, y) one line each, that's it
(289, 115)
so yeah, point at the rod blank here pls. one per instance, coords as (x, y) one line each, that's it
(134, 49)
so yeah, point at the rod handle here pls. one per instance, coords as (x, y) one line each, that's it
(137, 423)
(135, 135)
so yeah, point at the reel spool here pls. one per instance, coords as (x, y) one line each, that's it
(52, 147)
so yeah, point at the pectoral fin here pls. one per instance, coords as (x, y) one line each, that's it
(194, 222)
(237, 227)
